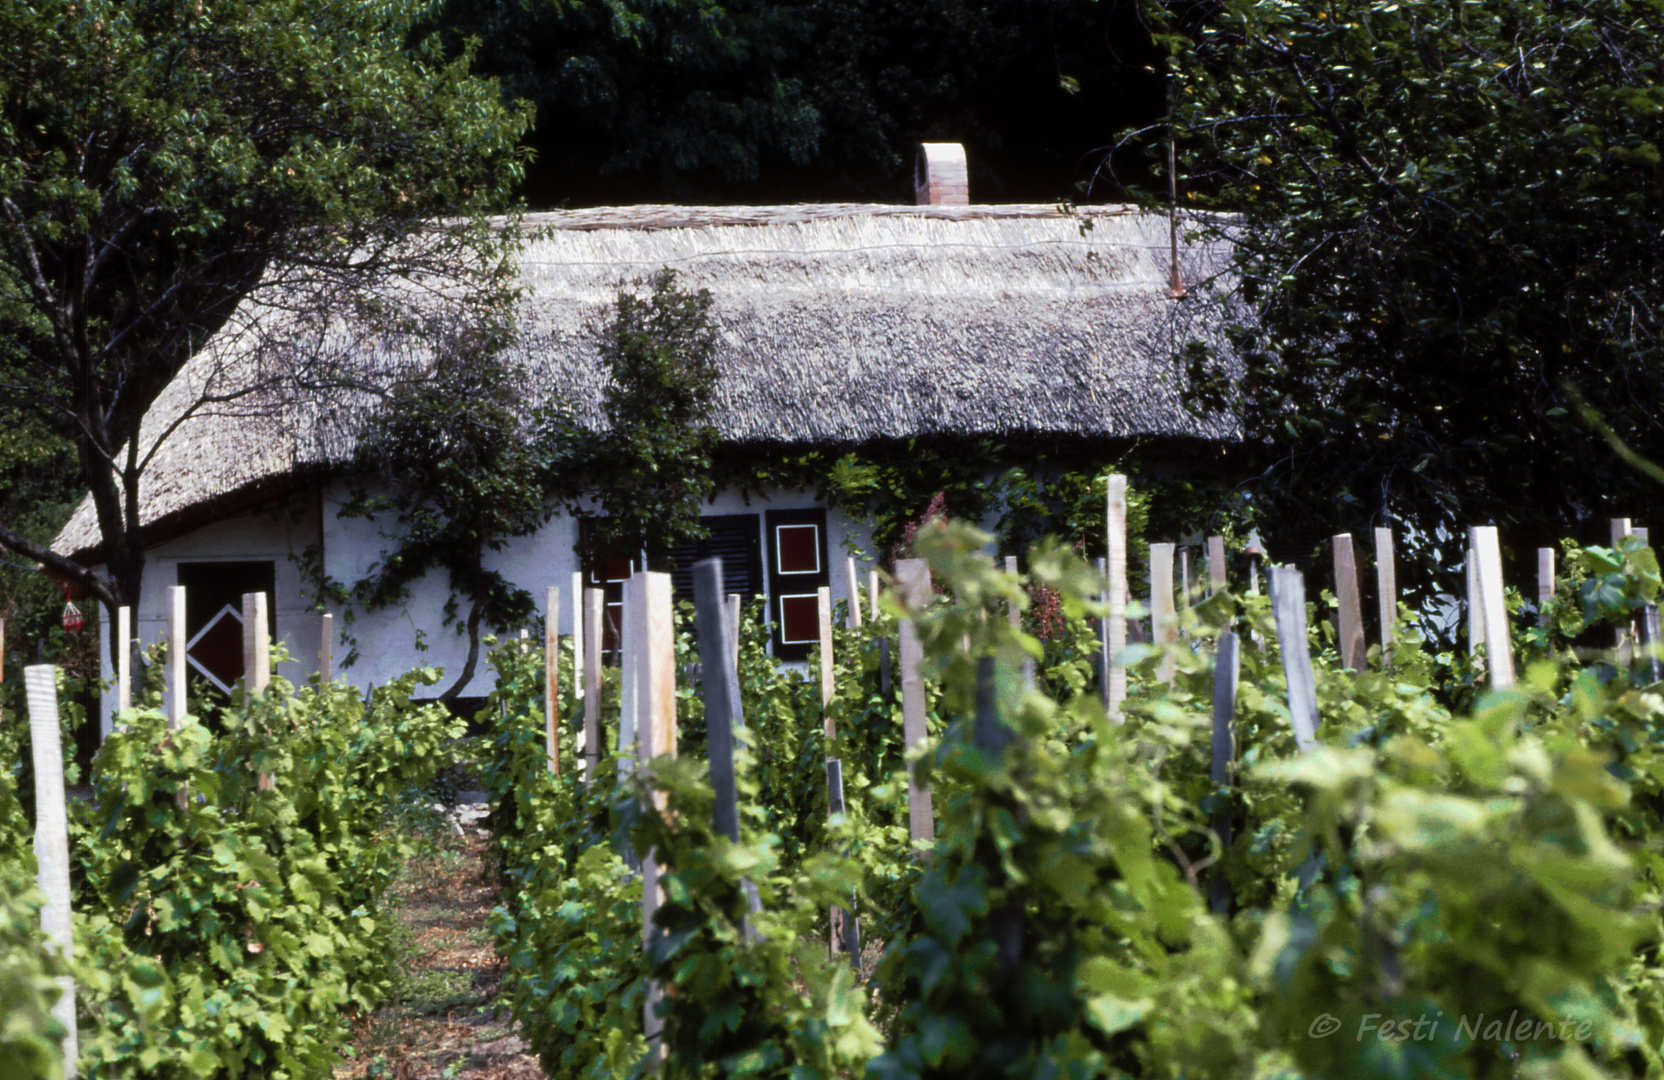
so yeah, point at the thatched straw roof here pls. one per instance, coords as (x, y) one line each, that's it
(839, 324)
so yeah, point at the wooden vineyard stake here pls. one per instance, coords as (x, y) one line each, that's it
(1226, 669)
(1105, 657)
(733, 613)
(257, 660)
(1216, 565)
(52, 839)
(579, 689)
(1350, 619)
(1499, 652)
(853, 584)
(1116, 546)
(124, 659)
(551, 676)
(872, 593)
(627, 678)
(651, 628)
(823, 605)
(1187, 587)
(1545, 583)
(595, 601)
(1476, 610)
(913, 579)
(1288, 604)
(1386, 587)
(843, 929)
(176, 656)
(326, 648)
(1164, 622)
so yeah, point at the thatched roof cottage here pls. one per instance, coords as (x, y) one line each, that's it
(839, 324)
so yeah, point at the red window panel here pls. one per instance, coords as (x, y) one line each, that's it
(798, 548)
(800, 619)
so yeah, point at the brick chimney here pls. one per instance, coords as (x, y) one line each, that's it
(939, 176)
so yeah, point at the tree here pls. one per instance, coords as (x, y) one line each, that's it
(167, 163)
(1446, 218)
(461, 471)
(651, 469)
(809, 100)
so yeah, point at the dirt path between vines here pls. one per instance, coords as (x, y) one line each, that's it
(445, 1020)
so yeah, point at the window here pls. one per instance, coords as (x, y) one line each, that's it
(214, 616)
(609, 576)
(797, 568)
(735, 539)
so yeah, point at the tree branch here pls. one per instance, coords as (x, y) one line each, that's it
(97, 585)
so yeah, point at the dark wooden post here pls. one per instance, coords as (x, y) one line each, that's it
(1226, 666)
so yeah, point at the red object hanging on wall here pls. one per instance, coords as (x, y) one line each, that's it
(73, 619)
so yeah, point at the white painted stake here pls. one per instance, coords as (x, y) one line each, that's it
(732, 612)
(257, 660)
(1187, 587)
(1164, 622)
(257, 646)
(595, 601)
(124, 659)
(913, 580)
(1476, 610)
(823, 604)
(1545, 583)
(551, 676)
(1499, 652)
(627, 676)
(1386, 585)
(1288, 605)
(52, 839)
(1106, 659)
(326, 649)
(853, 583)
(176, 656)
(579, 690)
(1350, 617)
(872, 592)
(1117, 560)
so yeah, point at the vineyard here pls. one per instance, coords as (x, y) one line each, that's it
(1447, 876)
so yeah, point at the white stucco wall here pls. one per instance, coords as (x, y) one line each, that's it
(279, 535)
(387, 641)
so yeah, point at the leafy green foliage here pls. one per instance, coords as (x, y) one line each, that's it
(234, 934)
(31, 1039)
(1423, 315)
(161, 162)
(651, 470)
(461, 475)
(1433, 892)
